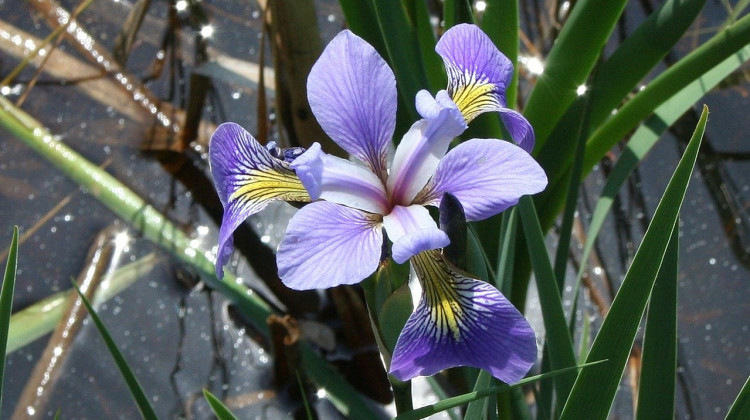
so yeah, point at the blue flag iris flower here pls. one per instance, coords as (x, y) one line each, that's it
(354, 205)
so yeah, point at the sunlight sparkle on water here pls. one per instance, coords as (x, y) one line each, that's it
(122, 239)
(534, 65)
(581, 90)
(207, 31)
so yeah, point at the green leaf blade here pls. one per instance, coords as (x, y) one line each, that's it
(6, 302)
(656, 389)
(595, 388)
(136, 391)
(559, 343)
(740, 408)
(220, 410)
(569, 63)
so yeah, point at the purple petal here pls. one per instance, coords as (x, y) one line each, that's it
(340, 181)
(352, 93)
(461, 321)
(412, 230)
(486, 175)
(423, 146)
(519, 127)
(326, 245)
(478, 73)
(246, 178)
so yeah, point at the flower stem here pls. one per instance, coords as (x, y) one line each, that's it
(401, 395)
(377, 289)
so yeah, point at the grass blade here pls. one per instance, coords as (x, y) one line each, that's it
(569, 63)
(455, 12)
(6, 301)
(147, 411)
(559, 343)
(433, 64)
(656, 390)
(459, 400)
(619, 74)
(500, 23)
(478, 409)
(720, 47)
(740, 408)
(403, 52)
(358, 14)
(220, 410)
(595, 388)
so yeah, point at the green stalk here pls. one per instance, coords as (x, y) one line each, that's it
(6, 301)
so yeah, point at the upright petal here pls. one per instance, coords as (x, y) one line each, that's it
(340, 181)
(461, 321)
(478, 73)
(423, 146)
(246, 178)
(486, 175)
(326, 245)
(352, 93)
(412, 230)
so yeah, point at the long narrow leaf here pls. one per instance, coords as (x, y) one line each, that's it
(455, 12)
(559, 344)
(740, 408)
(459, 400)
(220, 410)
(595, 388)
(358, 14)
(619, 75)
(656, 390)
(403, 51)
(570, 61)
(720, 47)
(433, 64)
(6, 302)
(41, 318)
(147, 411)
(477, 409)
(500, 23)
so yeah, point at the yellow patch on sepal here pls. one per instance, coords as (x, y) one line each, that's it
(442, 298)
(271, 184)
(472, 96)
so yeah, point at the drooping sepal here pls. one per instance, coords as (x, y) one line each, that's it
(478, 75)
(247, 177)
(461, 321)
